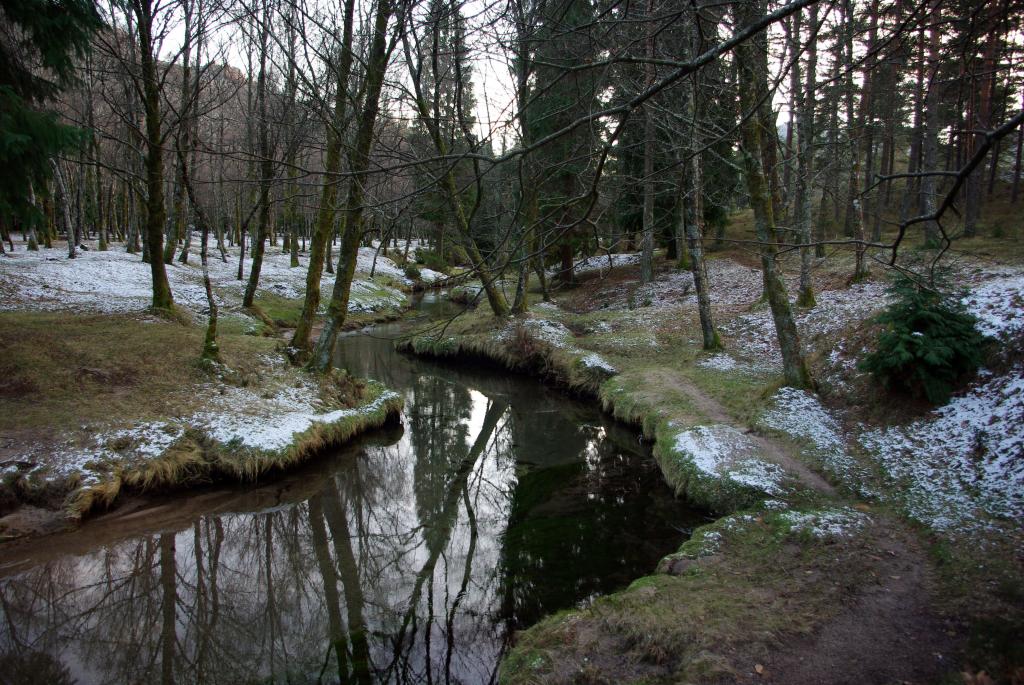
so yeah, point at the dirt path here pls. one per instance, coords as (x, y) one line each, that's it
(889, 634)
(659, 381)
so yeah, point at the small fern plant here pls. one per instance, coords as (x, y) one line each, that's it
(930, 342)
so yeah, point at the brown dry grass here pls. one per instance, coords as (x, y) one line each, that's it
(62, 370)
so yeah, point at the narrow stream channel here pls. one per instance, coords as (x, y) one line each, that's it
(409, 557)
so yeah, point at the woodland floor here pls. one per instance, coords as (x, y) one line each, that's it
(91, 383)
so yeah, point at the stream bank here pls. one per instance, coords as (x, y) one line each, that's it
(816, 541)
(411, 554)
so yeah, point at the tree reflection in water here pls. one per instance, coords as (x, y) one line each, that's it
(407, 562)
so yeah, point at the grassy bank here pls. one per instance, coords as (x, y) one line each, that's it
(94, 405)
(819, 537)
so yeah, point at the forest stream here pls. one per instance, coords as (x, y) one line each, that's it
(410, 556)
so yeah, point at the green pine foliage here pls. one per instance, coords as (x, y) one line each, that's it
(929, 343)
(34, 66)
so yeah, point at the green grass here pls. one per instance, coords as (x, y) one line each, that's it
(283, 311)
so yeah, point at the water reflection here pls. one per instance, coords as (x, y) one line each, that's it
(407, 559)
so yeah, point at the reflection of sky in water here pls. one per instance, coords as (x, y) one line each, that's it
(498, 504)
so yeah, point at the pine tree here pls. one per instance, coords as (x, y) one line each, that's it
(37, 60)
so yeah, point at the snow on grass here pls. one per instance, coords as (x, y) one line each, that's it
(720, 362)
(602, 263)
(233, 416)
(368, 261)
(70, 460)
(114, 281)
(723, 361)
(999, 306)
(721, 451)
(551, 332)
(826, 523)
(431, 276)
(669, 290)
(965, 460)
(108, 282)
(598, 363)
(754, 333)
(801, 414)
(240, 416)
(733, 284)
(555, 334)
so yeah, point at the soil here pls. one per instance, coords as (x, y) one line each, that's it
(890, 634)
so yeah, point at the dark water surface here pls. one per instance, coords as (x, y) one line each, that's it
(410, 557)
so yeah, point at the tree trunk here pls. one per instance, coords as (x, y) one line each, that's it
(156, 215)
(930, 145)
(647, 241)
(752, 59)
(805, 102)
(266, 166)
(318, 246)
(359, 162)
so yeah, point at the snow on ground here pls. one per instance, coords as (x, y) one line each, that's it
(964, 460)
(999, 306)
(721, 451)
(668, 290)
(754, 333)
(826, 523)
(733, 284)
(598, 363)
(115, 281)
(723, 361)
(232, 414)
(557, 335)
(802, 415)
(602, 263)
(270, 423)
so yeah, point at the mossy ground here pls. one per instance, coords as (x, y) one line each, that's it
(723, 614)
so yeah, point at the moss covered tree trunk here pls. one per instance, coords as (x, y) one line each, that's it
(329, 193)
(156, 215)
(693, 213)
(359, 162)
(752, 61)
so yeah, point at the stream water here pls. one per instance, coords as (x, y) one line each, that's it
(409, 557)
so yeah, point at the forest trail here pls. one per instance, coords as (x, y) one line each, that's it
(889, 630)
(890, 633)
(663, 382)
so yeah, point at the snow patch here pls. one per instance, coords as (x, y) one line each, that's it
(965, 460)
(801, 414)
(999, 306)
(722, 451)
(271, 423)
(598, 363)
(114, 281)
(826, 523)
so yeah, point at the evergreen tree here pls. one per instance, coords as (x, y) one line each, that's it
(38, 48)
